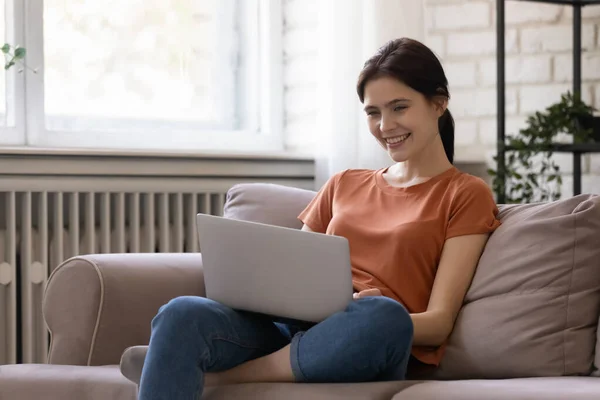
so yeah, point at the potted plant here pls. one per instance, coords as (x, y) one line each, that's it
(531, 175)
(591, 122)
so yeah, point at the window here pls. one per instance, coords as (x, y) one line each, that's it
(151, 74)
(12, 117)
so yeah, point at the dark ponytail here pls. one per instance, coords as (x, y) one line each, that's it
(413, 63)
(446, 128)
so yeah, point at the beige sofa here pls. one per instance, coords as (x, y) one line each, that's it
(528, 328)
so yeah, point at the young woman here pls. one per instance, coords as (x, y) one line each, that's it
(416, 231)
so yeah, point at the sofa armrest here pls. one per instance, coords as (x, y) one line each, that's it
(96, 306)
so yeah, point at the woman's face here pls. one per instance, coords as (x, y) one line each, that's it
(401, 119)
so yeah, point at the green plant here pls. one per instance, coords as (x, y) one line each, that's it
(14, 55)
(531, 174)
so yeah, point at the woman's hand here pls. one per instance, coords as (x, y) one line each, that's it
(367, 293)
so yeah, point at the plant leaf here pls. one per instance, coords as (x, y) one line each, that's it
(20, 53)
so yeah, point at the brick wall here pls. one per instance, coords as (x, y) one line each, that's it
(462, 32)
(538, 69)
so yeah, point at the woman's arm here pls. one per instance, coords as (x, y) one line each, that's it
(458, 262)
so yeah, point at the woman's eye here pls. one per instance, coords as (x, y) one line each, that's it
(399, 108)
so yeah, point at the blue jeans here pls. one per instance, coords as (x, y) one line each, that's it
(370, 340)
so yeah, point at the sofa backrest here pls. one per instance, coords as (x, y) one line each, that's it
(267, 203)
(534, 304)
(532, 307)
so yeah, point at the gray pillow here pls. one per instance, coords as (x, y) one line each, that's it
(267, 203)
(532, 308)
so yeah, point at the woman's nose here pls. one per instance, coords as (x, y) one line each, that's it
(387, 123)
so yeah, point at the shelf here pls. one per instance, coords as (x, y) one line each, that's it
(570, 148)
(577, 150)
(565, 2)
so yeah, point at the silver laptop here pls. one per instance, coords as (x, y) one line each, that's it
(282, 272)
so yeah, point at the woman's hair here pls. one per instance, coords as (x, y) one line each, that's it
(415, 65)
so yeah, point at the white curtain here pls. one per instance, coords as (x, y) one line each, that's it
(350, 31)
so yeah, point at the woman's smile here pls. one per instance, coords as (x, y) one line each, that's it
(396, 141)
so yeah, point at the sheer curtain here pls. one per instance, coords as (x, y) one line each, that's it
(350, 31)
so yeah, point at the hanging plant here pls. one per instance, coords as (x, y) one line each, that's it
(531, 175)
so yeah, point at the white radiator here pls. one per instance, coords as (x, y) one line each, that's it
(54, 226)
(47, 219)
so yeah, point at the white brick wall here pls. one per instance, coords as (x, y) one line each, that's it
(534, 98)
(462, 44)
(462, 33)
(554, 38)
(521, 13)
(538, 69)
(518, 69)
(460, 16)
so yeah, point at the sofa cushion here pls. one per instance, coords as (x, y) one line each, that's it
(133, 361)
(267, 203)
(561, 388)
(60, 382)
(532, 308)
(597, 359)
(304, 391)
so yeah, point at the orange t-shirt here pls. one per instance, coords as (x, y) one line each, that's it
(396, 234)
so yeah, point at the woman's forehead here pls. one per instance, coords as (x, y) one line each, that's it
(385, 90)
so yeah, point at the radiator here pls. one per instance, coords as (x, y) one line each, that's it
(45, 220)
(53, 226)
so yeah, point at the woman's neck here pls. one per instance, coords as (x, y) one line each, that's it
(429, 163)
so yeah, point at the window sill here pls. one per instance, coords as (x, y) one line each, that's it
(39, 164)
(150, 154)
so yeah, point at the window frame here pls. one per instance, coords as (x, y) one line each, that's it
(14, 135)
(267, 90)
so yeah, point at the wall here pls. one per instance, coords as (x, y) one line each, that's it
(462, 33)
(538, 69)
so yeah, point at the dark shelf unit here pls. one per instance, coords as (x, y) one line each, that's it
(576, 149)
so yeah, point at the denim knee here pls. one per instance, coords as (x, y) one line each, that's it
(371, 340)
(183, 313)
(386, 315)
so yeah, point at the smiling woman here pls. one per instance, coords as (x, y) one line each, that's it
(416, 231)
(406, 102)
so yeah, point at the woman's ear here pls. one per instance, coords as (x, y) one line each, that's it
(440, 104)
(440, 101)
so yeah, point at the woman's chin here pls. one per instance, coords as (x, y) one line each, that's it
(398, 156)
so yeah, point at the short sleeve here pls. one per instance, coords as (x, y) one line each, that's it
(318, 213)
(473, 210)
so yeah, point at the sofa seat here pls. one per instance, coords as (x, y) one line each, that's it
(64, 382)
(557, 388)
(312, 391)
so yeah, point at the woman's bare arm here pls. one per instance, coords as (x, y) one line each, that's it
(458, 262)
